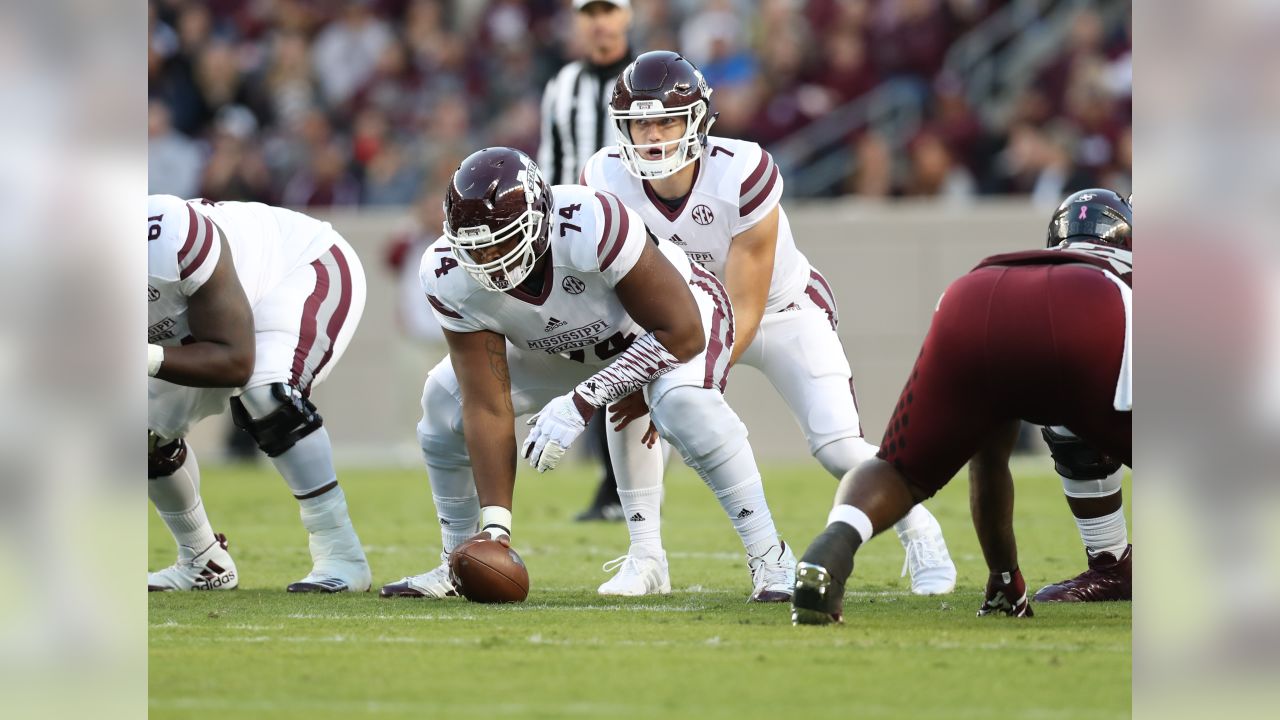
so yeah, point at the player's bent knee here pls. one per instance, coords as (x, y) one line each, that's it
(700, 424)
(164, 460)
(843, 455)
(276, 416)
(439, 430)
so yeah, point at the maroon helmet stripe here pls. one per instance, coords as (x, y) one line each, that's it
(205, 245)
(339, 314)
(763, 195)
(623, 228)
(307, 330)
(441, 308)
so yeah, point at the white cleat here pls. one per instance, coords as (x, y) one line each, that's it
(773, 574)
(339, 564)
(209, 569)
(435, 584)
(640, 572)
(932, 572)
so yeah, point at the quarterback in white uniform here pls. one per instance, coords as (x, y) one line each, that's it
(253, 305)
(718, 200)
(556, 300)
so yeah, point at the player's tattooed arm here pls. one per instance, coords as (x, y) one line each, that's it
(221, 320)
(488, 416)
(748, 273)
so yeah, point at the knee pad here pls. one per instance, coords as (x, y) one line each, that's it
(164, 460)
(284, 416)
(440, 429)
(701, 425)
(844, 455)
(1075, 459)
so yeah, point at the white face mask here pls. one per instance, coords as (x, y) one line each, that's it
(507, 271)
(676, 154)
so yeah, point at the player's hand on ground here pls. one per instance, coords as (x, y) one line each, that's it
(491, 534)
(1006, 595)
(629, 408)
(555, 428)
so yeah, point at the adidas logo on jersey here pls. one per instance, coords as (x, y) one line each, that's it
(637, 518)
(552, 324)
(676, 239)
(745, 514)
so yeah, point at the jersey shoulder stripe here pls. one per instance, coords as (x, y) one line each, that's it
(758, 185)
(441, 307)
(615, 231)
(200, 239)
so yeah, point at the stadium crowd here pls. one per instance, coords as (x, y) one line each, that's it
(315, 103)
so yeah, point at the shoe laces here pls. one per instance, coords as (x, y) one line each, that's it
(922, 552)
(766, 572)
(627, 563)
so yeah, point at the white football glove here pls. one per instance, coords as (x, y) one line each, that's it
(555, 428)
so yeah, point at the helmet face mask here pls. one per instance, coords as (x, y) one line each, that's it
(661, 84)
(497, 217)
(1095, 215)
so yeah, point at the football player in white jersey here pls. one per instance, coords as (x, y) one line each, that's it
(255, 305)
(718, 199)
(557, 300)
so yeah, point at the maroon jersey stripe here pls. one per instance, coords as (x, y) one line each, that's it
(623, 228)
(206, 245)
(605, 235)
(193, 226)
(310, 313)
(761, 196)
(755, 175)
(339, 314)
(820, 293)
(441, 308)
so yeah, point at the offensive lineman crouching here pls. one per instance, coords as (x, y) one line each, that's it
(555, 298)
(254, 304)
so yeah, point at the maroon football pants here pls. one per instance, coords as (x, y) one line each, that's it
(1042, 343)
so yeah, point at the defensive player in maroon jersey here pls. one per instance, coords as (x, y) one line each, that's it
(1043, 336)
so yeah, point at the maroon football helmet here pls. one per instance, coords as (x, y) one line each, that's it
(661, 84)
(1096, 215)
(497, 216)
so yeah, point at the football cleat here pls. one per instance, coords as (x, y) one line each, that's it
(611, 512)
(773, 574)
(819, 597)
(339, 564)
(1006, 595)
(437, 584)
(927, 559)
(639, 573)
(1107, 578)
(209, 569)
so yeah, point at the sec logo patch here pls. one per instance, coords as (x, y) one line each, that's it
(573, 285)
(703, 215)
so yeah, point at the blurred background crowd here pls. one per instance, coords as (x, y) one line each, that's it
(321, 103)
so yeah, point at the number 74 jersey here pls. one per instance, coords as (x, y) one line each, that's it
(595, 241)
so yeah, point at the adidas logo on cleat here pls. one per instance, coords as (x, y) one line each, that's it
(745, 513)
(212, 579)
(637, 518)
(552, 324)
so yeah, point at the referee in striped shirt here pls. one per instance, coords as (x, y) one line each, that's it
(575, 124)
(575, 119)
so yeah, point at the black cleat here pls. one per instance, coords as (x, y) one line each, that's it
(319, 585)
(601, 513)
(821, 576)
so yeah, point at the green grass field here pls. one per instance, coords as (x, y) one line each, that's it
(701, 652)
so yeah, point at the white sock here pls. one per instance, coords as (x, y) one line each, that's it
(642, 510)
(854, 518)
(459, 519)
(1104, 534)
(308, 465)
(177, 501)
(745, 505)
(918, 518)
(325, 512)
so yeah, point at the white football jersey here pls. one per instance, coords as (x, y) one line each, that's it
(735, 186)
(266, 243)
(595, 241)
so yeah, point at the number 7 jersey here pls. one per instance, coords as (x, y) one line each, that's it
(595, 241)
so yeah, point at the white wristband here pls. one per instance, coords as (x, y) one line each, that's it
(495, 515)
(155, 358)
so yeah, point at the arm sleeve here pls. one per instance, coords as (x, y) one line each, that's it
(199, 250)
(622, 238)
(760, 192)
